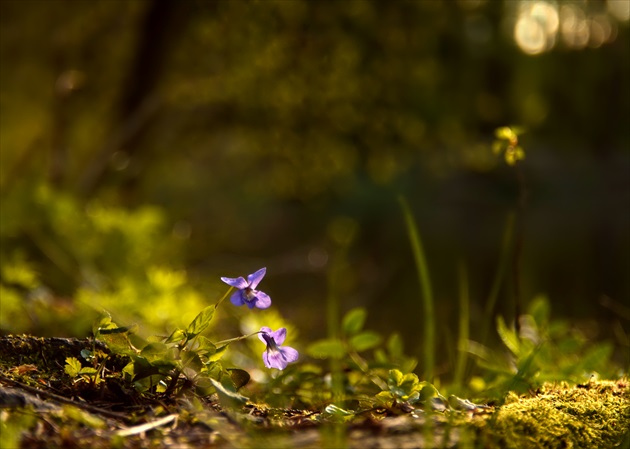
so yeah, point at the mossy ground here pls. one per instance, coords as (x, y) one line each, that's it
(42, 407)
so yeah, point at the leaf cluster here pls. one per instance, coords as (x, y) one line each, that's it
(184, 361)
(541, 350)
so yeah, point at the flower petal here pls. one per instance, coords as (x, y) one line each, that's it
(262, 300)
(290, 354)
(266, 360)
(237, 298)
(238, 282)
(254, 278)
(264, 330)
(274, 359)
(279, 335)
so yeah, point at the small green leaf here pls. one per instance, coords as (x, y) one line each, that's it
(154, 351)
(87, 354)
(428, 391)
(205, 346)
(201, 322)
(104, 321)
(227, 395)
(327, 348)
(73, 366)
(239, 377)
(365, 340)
(508, 336)
(385, 398)
(596, 357)
(395, 377)
(88, 370)
(83, 417)
(177, 336)
(353, 321)
(117, 330)
(217, 354)
(395, 345)
(128, 371)
(539, 308)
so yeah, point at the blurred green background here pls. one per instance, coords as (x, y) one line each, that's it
(149, 147)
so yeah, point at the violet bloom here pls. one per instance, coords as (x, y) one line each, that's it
(247, 293)
(276, 356)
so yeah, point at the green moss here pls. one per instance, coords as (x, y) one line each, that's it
(559, 416)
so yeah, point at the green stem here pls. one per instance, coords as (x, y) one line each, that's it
(464, 325)
(232, 340)
(363, 366)
(506, 244)
(223, 298)
(425, 286)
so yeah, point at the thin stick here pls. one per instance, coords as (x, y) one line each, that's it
(146, 426)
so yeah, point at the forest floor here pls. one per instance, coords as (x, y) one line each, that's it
(42, 407)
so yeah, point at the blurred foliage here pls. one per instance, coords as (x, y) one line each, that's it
(114, 259)
(541, 350)
(149, 146)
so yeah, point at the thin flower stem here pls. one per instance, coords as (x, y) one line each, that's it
(224, 296)
(232, 340)
(363, 366)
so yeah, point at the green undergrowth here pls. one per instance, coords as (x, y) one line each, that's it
(45, 406)
(117, 390)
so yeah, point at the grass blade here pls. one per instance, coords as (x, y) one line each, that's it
(425, 287)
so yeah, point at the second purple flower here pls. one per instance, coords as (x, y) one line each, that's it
(276, 355)
(247, 293)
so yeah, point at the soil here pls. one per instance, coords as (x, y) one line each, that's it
(43, 407)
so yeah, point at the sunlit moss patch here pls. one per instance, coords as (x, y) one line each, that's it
(595, 414)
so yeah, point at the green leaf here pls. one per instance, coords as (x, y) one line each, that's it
(353, 321)
(428, 391)
(395, 377)
(177, 336)
(205, 346)
(539, 308)
(88, 370)
(327, 348)
(87, 419)
(73, 366)
(154, 351)
(338, 414)
(227, 395)
(128, 371)
(217, 354)
(87, 354)
(201, 322)
(239, 377)
(596, 357)
(365, 340)
(332, 409)
(104, 321)
(385, 398)
(395, 345)
(508, 336)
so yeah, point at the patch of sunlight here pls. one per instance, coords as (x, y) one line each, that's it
(536, 27)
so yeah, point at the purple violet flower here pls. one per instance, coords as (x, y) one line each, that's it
(247, 293)
(276, 356)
